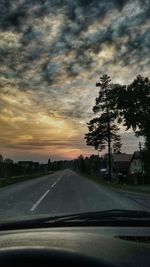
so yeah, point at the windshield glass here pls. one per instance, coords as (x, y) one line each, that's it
(74, 107)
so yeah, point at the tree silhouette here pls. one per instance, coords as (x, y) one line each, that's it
(133, 103)
(49, 164)
(136, 108)
(117, 146)
(103, 128)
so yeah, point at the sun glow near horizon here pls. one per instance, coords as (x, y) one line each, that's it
(51, 58)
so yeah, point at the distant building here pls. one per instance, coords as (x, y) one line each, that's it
(29, 164)
(25, 164)
(136, 165)
(120, 163)
(35, 165)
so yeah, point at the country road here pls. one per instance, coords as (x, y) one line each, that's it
(64, 192)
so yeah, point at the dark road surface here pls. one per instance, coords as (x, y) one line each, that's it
(63, 192)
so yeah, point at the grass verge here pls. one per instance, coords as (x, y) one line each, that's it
(17, 179)
(115, 186)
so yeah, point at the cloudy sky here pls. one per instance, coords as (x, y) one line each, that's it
(52, 52)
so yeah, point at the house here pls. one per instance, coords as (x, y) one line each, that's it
(29, 164)
(25, 164)
(35, 165)
(120, 163)
(136, 165)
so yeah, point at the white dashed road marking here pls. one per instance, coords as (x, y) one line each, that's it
(44, 195)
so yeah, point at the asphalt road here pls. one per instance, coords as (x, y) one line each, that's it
(64, 192)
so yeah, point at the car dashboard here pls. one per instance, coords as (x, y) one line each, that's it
(86, 246)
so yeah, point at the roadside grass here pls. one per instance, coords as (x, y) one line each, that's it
(17, 179)
(115, 186)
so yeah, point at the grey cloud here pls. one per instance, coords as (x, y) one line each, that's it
(37, 63)
(35, 145)
(15, 13)
(52, 70)
(138, 49)
(80, 13)
(35, 55)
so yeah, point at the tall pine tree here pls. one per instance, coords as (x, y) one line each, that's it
(103, 128)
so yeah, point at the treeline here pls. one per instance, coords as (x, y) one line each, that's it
(8, 168)
(88, 165)
(59, 165)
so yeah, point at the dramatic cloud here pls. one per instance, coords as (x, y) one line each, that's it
(52, 52)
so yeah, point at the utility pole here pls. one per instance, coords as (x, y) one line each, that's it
(109, 154)
(140, 148)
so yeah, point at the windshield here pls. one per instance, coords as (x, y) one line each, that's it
(74, 107)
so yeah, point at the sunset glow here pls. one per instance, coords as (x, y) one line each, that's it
(51, 57)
